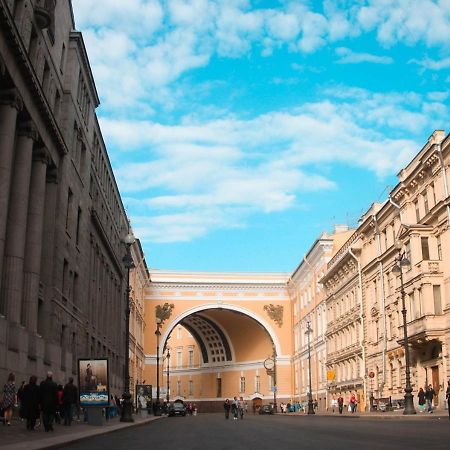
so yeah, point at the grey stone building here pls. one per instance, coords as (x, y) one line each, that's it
(62, 280)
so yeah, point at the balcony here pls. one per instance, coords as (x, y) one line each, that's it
(424, 329)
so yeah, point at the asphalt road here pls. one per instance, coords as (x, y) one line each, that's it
(213, 432)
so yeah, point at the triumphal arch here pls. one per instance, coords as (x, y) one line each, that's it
(212, 336)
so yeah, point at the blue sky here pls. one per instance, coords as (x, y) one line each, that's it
(239, 131)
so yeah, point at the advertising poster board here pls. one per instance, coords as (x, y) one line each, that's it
(143, 395)
(93, 382)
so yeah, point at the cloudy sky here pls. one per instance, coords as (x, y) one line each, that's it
(239, 130)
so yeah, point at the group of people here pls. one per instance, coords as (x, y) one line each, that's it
(237, 408)
(52, 401)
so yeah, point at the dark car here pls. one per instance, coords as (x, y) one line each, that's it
(177, 409)
(266, 409)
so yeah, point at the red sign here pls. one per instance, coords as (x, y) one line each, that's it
(371, 374)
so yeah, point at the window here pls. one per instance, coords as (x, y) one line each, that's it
(242, 384)
(178, 387)
(439, 247)
(416, 208)
(412, 306)
(65, 278)
(258, 383)
(433, 193)
(179, 358)
(425, 202)
(190, 357)
(191, 388)
(179, 333)
(425, 248)
(69, 208)
(437, 299)
(77, 236)
(63, 57)
(408, 251)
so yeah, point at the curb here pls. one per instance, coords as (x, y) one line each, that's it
(63, 441)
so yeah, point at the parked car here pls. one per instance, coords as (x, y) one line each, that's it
(176, 409)
(266, 409)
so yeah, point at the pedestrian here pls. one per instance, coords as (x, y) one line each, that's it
(340, 402)
(30, 402)
(422, 400)
(48, 399)
(429, 396)
(69, 399)
(352, 403)
(299, 406)
(226, 407)
(447, 396)
(235, 408)
(9, 399)
(241, 408)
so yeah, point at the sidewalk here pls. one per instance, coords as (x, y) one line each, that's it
(16, 436)
(441, 414)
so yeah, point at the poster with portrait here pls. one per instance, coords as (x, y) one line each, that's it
(143, 395)
(93, 382)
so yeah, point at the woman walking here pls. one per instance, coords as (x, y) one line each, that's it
(30, 403)
(9, 399)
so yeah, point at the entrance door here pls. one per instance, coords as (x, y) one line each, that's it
(257, 403)
(435, 381)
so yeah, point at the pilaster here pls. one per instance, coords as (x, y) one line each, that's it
(33, 248)
(10, 105)
(12, 283)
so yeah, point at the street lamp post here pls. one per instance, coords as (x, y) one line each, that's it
(158, 334)
(310, 400)
(127, 406)
(274, 379)
(402, 261)
(168, 375)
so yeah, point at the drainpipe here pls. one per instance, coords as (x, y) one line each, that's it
(383, 305)
(444, 176)
(361, 318)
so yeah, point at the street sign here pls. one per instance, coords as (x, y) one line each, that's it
(274, 389)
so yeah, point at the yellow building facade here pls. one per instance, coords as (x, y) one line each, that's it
(220, 328)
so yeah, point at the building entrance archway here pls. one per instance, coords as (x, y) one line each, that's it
(219, 332)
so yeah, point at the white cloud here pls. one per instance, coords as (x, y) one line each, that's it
(264, 164)
(431, 64)
(347, 56)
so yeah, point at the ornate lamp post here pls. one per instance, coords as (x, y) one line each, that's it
(158, 334)
(310, 400)
(402, 261)
(168, 375)
(127, 406)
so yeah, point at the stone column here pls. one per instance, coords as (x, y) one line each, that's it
(12, 284)
(10, 105)
(48, 253)
(34, 236)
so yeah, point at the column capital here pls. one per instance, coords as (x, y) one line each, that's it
(52, 175)
(42, 154)
(11, 97)
(28, 129)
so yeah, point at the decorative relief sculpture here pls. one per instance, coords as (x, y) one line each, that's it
(275, 312)
(164, 312)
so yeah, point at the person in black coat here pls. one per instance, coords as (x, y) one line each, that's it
(69, 398)
(48, 399)
(30, 402)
